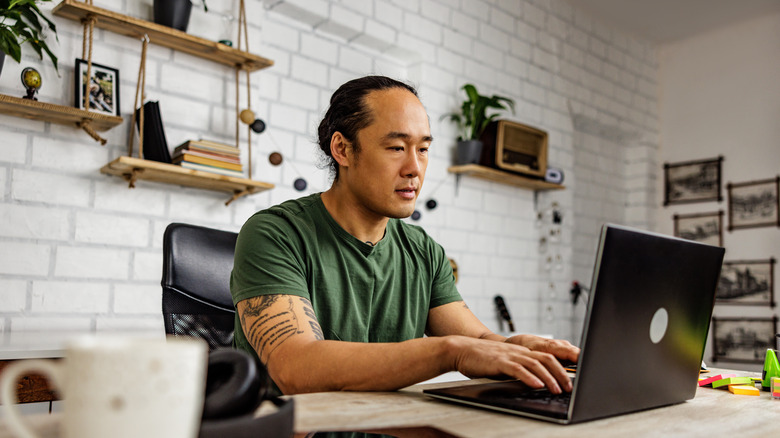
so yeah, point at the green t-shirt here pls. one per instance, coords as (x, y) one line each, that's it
(359, 293)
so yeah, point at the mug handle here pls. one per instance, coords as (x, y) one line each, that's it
(11, 375)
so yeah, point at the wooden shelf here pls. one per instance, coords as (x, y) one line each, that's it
(162, 35)
(132, 169)
(494, 175)
(49, 112)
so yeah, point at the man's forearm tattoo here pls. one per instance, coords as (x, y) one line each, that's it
(315, 326)
(270, 329)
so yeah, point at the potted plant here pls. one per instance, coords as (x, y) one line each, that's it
(21, 21)
(174, 13)
(473, 119)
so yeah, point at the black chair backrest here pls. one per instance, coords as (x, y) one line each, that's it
(196, 299)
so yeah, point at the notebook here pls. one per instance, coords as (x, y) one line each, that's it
(643, 338)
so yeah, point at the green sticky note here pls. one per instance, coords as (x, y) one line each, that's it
(732, 381)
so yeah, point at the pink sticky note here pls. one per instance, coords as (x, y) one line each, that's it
(709, 380)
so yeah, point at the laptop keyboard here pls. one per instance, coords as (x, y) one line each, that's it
(544, 396)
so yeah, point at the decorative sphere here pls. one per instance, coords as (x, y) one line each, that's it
(258, 126)
(431, 204)
(416, 215)
(275, 158)
(31, 78)
(300, 184)
(247, 116)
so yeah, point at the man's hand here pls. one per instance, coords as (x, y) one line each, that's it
(488, 358)
(557, 347)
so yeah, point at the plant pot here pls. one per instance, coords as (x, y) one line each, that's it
(469, 152)
(173, 13)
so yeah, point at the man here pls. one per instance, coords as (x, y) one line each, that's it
(334, 292)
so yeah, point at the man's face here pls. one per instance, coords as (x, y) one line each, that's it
(387, 174)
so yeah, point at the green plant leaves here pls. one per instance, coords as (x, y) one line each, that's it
(21, 21)
(473, 118)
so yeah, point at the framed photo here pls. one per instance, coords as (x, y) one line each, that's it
(754, 204)
(743, 339)
(693, 181)
(702, 227)
(748, 282)
(103, 88)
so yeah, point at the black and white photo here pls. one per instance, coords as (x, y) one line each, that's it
(747, 282)
(103, 88)
(743, 339)
(701, 227)
(693, 181)
(754, 204)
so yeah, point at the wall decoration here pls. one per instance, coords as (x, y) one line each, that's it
(693, 181)
(754, 204)
(747, 282)
(103, 88)
(702, 227)
(743, 339)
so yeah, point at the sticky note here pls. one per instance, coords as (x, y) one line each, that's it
(732, 381)
(708, 380)
(744, 390)
(776, 387)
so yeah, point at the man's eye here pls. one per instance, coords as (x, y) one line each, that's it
(423, 150)
(397, 148)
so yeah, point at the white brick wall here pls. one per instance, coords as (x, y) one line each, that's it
(80, 250)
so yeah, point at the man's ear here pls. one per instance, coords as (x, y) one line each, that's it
(340, 149)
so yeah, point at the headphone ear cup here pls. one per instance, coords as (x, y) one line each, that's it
(234, 384)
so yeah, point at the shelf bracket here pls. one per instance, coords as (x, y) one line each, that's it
(237, 194)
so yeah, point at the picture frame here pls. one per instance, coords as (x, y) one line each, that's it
(747, 282)
(104, 88)
(701, 227)
(693, 181)
(743, 340)
(754, 204)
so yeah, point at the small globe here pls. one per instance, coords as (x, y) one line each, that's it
(31, 78)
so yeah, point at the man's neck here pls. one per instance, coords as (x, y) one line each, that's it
(353, 217)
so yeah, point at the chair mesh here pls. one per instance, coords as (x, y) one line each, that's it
(186, 316)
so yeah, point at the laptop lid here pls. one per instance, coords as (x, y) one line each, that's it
(644, 332)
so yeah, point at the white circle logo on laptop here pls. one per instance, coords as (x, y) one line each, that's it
(658, 325)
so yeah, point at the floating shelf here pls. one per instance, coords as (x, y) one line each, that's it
(162, 35)
(49, 112)
(494, 175)
(132, 169)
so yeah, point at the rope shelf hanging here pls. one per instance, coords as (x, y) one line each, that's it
(86, 53)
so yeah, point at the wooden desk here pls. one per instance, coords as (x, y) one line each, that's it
(712, 413)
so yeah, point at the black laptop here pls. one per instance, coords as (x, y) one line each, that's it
(642, 344)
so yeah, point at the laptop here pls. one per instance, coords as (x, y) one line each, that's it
(643, 339)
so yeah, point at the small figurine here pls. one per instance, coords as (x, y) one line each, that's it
(31, 80)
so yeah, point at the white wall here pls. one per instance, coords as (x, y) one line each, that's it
(721, 96)
(78, 250)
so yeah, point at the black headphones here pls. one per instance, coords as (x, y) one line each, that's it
(236, 385)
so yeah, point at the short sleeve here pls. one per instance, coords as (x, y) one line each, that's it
(269, 259)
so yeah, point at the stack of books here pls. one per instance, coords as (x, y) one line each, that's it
(209, 156)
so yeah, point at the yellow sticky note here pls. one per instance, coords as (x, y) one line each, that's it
(744, 390)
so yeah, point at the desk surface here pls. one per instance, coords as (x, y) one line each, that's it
(712, 413)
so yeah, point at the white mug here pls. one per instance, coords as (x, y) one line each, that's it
(119, 387)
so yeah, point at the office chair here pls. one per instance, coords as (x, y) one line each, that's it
(196, 300)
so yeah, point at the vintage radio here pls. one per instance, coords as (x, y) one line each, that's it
(515, 147)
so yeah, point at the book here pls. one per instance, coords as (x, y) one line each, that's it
(212, 169)
(208, 146)
(155, 146)
(189, 158)
(213, 155)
